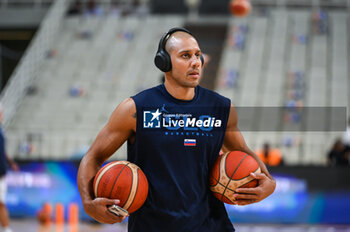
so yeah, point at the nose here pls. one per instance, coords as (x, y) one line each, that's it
(196, 62)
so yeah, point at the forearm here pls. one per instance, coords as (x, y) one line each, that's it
(88, 168)
(261, 164)
(235, 141)
(94, 207)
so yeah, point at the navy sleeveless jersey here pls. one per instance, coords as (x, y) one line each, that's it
(176, 144)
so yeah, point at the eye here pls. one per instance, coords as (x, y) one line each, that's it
(186, 55)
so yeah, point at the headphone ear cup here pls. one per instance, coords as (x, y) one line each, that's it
(162, 61)
(202, 59)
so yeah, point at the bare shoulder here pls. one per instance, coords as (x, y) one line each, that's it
(128, 103)
(124, 114)
(119, 128)
(233, 119)
(127, 106)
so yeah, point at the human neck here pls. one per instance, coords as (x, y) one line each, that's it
(180, 92)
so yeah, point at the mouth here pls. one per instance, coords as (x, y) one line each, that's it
(194, 74)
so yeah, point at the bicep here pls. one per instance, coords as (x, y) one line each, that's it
(234, 141)
(119, 128)
(233, 138)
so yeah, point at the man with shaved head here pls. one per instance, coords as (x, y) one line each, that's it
(174, 133)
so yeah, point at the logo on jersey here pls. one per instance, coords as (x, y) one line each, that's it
(161, 118)
(151, 119)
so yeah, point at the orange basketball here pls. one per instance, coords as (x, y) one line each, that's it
(240, 8)
(124, 181)
(231, 171)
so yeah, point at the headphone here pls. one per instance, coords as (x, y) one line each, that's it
(162, 59)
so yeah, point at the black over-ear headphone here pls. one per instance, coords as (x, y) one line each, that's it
(162, 59)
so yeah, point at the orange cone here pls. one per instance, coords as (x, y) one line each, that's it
(44, 215)
(73, 213)
(59, 214)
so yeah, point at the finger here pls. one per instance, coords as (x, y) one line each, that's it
(109, 218)
(245, 197)
(252, 191)
(258, 176)
(245, 202)
(107, 201)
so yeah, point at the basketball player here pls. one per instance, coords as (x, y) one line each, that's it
(174, 133)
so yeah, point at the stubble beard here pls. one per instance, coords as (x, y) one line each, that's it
(187, 83)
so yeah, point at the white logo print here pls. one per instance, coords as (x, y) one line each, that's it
(151, 119)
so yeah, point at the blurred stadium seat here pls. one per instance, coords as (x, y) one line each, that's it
(273, 58)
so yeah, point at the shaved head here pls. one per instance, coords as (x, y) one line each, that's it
(175, 39)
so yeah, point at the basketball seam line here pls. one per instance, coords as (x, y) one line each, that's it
(239, 180)
(238, 186)
(99, 175)
(137, 186)
(211, 176)
(222, 186)
(223, 193)
(248, 175)
(115, 181)
(246, 183)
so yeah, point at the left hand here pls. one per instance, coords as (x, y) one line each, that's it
(246, 196)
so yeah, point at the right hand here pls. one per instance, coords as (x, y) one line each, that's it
(97, 209)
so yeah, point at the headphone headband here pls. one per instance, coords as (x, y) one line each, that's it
(166, 36)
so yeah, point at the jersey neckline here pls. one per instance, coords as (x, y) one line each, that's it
(179, 101)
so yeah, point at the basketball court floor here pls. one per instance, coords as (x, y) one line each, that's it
(29, 225)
